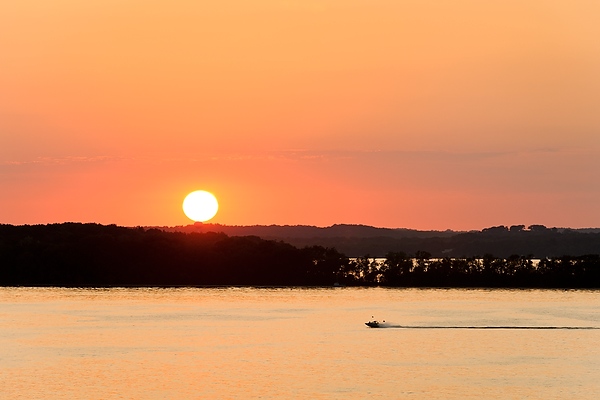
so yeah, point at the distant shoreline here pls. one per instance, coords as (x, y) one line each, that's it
(293, 287)
(93, 255)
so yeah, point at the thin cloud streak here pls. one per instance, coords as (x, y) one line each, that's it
(62, 160)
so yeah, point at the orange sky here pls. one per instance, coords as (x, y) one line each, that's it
(423, 114)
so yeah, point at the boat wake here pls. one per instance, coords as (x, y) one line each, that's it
(488, 327)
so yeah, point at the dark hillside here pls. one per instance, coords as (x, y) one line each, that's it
(358, 240)
(73, 254)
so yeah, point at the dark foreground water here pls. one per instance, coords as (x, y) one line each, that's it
(298, 343)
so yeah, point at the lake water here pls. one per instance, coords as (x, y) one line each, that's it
(246, 343)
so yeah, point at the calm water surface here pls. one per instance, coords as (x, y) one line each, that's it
(298, 343)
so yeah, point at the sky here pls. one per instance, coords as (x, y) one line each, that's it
(422, 114)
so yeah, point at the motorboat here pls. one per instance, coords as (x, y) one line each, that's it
(372, 324)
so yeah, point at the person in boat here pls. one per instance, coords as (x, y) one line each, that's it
(373, 323)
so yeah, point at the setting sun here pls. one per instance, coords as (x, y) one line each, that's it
(200, 206)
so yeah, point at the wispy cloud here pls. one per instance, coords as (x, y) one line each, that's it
(300, 155)
(61, 160)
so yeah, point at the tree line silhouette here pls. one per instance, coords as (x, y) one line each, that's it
(80, 255)
(398, 269)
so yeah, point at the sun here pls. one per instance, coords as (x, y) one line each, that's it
(200, 206)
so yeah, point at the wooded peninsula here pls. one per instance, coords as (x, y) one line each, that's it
(93, 255)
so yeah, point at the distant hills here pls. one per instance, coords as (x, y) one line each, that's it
(94, 255)
(360, 240)
(309, 232)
